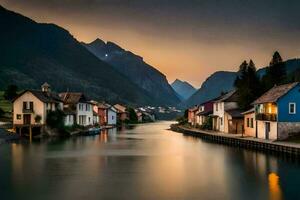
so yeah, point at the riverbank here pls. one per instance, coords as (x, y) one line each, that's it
(6, 137)
(240, 141)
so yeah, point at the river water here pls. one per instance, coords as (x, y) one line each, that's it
(144, 162)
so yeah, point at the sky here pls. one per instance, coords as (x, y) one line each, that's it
(184, 39)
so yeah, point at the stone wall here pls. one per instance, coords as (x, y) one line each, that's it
(288, 129)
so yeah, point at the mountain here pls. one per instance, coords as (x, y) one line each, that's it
(212, 87)
(32, 53)
(224, 81)
(134, 68)
(183, 89)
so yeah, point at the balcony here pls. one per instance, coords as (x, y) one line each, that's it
(266, 117)
(28, 110)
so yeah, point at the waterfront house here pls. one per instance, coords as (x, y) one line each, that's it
(78, 103)
(192, 115)
(227, 116)
(30, 109)
(278, 112)
(250, 123)
(122, 113)
(203, 112)
(107, 114)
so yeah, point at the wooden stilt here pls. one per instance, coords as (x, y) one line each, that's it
(30, 133)
(20, 131)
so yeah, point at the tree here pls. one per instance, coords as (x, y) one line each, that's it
(247, 84)
(132, 115)
(10, 92)
(275, 73)
(1, 112)
(55, 120)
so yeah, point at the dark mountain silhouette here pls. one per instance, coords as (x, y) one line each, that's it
(32, 53)
(212, 87)
(133, 67)
(224, 81)
(183, 89)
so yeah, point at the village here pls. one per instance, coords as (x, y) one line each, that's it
(39, 113)
(274, 116)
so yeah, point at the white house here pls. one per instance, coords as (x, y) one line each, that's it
(227, 117)
(111, 115)
(78, 103)
(30, 108)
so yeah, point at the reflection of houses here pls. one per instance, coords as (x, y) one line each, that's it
(122, 113)
(107, 114)
(192, 115)
(79, 104)
(226, 115)
(250, 123)
(277, 113)
(30, 109)
(203, 112)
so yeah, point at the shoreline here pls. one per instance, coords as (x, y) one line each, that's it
(238, 141)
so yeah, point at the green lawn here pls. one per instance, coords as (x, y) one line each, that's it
(4, 104)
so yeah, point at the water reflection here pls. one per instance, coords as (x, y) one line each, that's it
(274, 186)
(146, 162)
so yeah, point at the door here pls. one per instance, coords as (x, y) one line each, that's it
(27, 119)
(267, 124)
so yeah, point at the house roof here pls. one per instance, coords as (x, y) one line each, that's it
(46, 97)
(120, 108)
(205, 112)
(235, 113)
(252, 110)
(228, 97)
(275, 93)
(193, 109)
(73, 97)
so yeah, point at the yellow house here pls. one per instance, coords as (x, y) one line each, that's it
(250, 123)
(30, 109)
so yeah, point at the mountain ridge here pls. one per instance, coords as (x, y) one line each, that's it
(134, 68)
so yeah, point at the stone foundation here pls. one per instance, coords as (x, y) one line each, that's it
(288, 129)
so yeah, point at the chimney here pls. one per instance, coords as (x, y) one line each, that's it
(46, 87)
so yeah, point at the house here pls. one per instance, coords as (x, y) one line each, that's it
(203, 112)
(277, 113)
(107, 114)
(192, 115)
(95, 112)
(139, 115)
(227, 116)
(122, 113)
(30, 109)
(250, 123)
(79, 104)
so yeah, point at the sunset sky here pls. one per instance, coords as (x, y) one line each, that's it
(185, 39)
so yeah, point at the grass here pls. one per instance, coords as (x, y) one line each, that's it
(5, 105)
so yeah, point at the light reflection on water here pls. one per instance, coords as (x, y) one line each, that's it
(145, 162)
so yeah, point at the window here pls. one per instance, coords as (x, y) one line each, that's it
(19, 116)
(248, 122)
(251, 123)
(216, 105)
(292, 108)
(221, 121)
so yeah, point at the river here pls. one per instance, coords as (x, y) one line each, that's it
(147, 161)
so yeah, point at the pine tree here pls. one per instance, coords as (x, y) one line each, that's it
(247, 84)
(275, 73)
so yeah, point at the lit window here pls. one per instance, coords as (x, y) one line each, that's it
(19, 117)
(292, 108)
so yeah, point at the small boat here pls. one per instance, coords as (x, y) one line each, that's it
(91, 131)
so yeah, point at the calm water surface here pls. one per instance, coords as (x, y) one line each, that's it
(146, 162)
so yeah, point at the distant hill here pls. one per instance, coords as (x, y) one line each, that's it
(134, 67)
(183, 89)
(212, 87)
(224, 81)
(32, 53)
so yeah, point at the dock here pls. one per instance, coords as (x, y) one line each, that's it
(241, 141)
